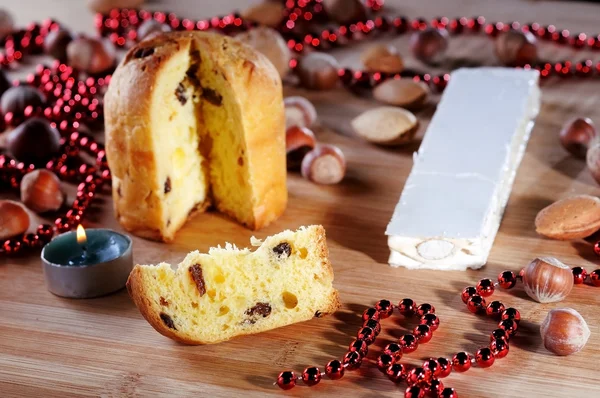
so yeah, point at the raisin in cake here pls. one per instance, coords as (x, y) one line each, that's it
(230, 292)
(195, 119)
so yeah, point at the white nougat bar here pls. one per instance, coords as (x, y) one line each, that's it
(453, 200)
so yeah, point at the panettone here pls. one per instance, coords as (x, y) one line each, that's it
(195, 119)
(230, 292)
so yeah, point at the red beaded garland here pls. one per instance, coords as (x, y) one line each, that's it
(423, 333)
(334, 370)
(468, 292)
(509, 326)
(366, 334)
(359, 346)
(499, 348)
(484, 357)
(418, 376)
(373, 324)
(409, 343)
(286, 380)
(436, 387)
(394, 350)
(495, 308)
(370, 313)
(579, 275)
(414, 392)
(461, 362)
(485, 287)
(433, 366)
(424, 309)
(311, 376)
(396, 372)
(385, 308)
(445, 367)
(384, 361)
(407, 307)
(430, 320)
(352, 360)
(476, 304)
(507, 279)
(448, 393)
(595, 277)
(499, 334)
(511, 313)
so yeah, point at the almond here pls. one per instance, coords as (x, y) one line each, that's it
(267, 13)
(382, 58)
(406, 93)
(386, 125)
(571, 218)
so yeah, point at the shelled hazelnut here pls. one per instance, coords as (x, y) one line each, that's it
(34, 141)
(7, 23)
(271, 44)
(41, 191)
(299, 112)
(575, 217)
(547, 280)
(91, 55)
(298, 142)
(516, 48)
(564, 331)
(576, 136)
(345, 11)
(104, 6)
(151, 27)
(405, 93)
(266, 13)
(55, 44)
(382, 58)
(386, 125)
(318, 71)
(429, 45)
(325, 164)
(14, 219)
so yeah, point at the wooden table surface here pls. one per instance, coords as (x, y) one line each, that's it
(50, 346)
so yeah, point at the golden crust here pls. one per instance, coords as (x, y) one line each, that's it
(129, 141)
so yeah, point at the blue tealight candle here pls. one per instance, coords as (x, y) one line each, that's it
(87, 263)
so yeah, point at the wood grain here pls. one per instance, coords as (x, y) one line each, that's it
(51, 346)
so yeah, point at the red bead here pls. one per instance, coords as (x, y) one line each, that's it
(423, 333)
(507, 280)
(430, 320)
(436, 387)
(31, 240)
(311, 376)
(499, 348)
(373, 324)
(409, 343)
(62, 225)
(12, 246)
(396, 372)
(511, 313)
(433, 365)
(334, 370)
(476, 304)
(394, 350)
(448, 393)
(468, 291)
(384, 361)
(45, 232)
(595, 277)
(414, 392)
(579, 275)
(499, 334)
(424, 309)
(509, 326)
(495, 308)
(485, 287)
(359, 346)
(366, 334)
(352, 360)
(407, 307)
(445, 367)
(286, 380)
(484, 357)
(370, 313)
(461, 362)
(385, 308)
(418, 376)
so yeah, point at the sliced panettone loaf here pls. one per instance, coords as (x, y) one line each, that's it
(194, 119)
(230, 292)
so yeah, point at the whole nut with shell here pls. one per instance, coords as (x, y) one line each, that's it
(104, 6)
(17, 99)
(91, 55)
(299, 112)
(516, 48)
(326, 164)
(151, 27)
(576, 217)
(577, 135)
(593, 158)
(386, 125)
(55, 44)
(318, 71)
(298, 142)
(382, 58)
(429, 45)
(271, 44)
(267, 13)
(14, 219)
(41, 191)
(345, 11)
(564, 331)
(547, 280)
(34, 141)
(405, 93)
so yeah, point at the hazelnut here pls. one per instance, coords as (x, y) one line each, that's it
(16, 99)
(5, 84)
(593, 158)
(299, 112)
(406, 93)
(150, 27)
(516, 48)
(298, 142)
(7, 23)
(271, 44)
(576, 136)
(564, 331)
(576, 217)
(34, 141)
(429, 45)
(547, 280)
(318, 71)
(266, 13)
(14, 219)
(91, 55)
(55, 44)
(386, 125)
(104, 6)
(382, 58)
(41, 192)
(325, 164)
(345, 11)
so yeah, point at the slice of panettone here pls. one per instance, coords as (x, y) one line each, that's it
(230, 292)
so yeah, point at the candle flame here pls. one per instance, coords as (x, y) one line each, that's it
(81, 237)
